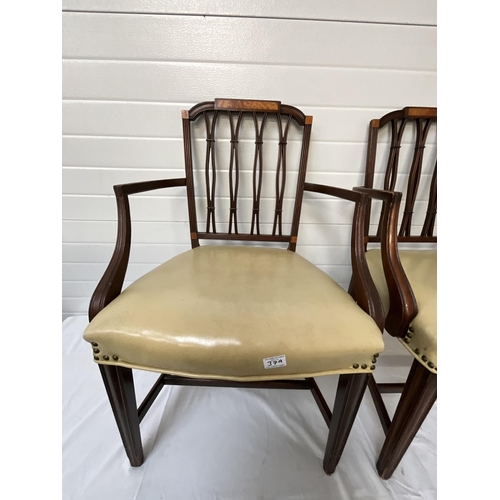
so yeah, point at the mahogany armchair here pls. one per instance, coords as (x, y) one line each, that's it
(238, 315)
(403, 271)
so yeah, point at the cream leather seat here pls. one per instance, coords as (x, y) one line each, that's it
(420, 267)
(219, 311)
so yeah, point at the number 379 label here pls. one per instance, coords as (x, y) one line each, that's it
(275, 362)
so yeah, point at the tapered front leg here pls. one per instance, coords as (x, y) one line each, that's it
(350, 391)
(119, 385)
(419, 394)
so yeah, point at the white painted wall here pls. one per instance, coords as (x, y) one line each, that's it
(130, 67)
(414, 12)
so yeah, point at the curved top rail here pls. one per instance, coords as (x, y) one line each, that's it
(249, 106)
(409, 112)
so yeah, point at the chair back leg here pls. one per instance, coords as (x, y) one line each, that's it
(350, 391)
(419, 394)
(119, 383)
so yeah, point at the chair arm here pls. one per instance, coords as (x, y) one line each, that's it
(141, 187)
(110, 285)
(365, 292)
(403, 306)
(379, 194)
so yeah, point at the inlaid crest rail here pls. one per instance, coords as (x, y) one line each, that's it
(263, 115)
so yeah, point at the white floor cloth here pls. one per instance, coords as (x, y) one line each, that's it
(227, 444)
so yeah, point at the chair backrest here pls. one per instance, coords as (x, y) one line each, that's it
(406, 165)
(245, 165)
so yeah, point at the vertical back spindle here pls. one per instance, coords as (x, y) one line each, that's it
(391, 172)
(423, 127)
(210, 160)
(430, 216)
(281, 179)
(234, 172)
(257, 172)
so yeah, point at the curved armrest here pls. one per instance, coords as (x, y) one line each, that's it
(403, 306)
(365, 292)
(379, 194)
(111, 283)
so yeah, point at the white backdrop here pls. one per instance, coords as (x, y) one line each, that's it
(130, 67)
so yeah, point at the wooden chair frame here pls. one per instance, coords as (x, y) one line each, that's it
(118, 381)
(420, 390)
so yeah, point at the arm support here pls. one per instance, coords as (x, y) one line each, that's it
(403, 306)
(112, 281)
(365, 292)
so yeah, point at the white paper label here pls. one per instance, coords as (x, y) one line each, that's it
(274, 362)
